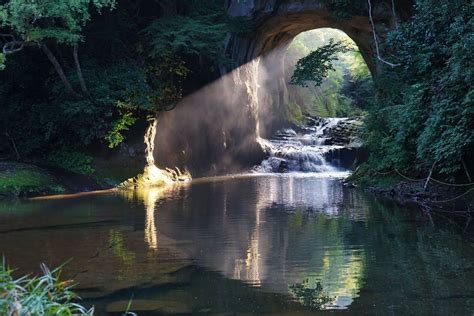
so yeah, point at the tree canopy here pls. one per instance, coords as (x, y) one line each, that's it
(425, 113)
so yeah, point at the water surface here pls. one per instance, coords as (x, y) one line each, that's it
(273, 244)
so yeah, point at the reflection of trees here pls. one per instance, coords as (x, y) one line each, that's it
(416, 268)
(117, 244)
(336, 258)
(313, 297)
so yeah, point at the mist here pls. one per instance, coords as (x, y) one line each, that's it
(216, 130)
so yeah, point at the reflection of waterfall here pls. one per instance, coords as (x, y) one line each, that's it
(289, 151)
(150, 196)
(251, 264)
(251, 82)
(273, 231)
(150, 200)
(337, 267)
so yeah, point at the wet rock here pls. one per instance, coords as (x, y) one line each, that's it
(347, 132)
(314, 121)
(274, 164)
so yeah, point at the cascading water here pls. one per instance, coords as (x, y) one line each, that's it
(289, 151)
(152, 175)
(250, 74)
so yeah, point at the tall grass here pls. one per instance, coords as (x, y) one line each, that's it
(38, 295)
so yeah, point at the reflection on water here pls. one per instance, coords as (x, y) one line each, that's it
(252, 244)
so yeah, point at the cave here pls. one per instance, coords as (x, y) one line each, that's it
(210, 137)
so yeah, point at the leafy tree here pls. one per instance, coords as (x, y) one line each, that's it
(38, 23)
(337, 91)
(317, 65)
(200, 35)
(65, 112)
(425, 111)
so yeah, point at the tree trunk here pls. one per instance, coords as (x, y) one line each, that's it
(465, 170)
(429, 177)
(13, 145)
(59, 70)
(79, 70)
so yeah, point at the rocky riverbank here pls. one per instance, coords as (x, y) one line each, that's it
(431, 195)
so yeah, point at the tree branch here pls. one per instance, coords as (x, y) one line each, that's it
(12, 47)
(394, 13)
(59, 70)
(377, 49)
(79, 70)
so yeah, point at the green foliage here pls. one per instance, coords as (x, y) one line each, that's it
(295, 115)
(127, 74)
(317, 65)
(425, 111)
(21, 178)
(194, 35)
(61, 21)
(358, 85)
(71, 160)
(200, 35)
(2, 61)
(313, 297)
(42, 126)
(344, 91)
(165, 76)
(116, 90)
(114, 137)
(38, 295)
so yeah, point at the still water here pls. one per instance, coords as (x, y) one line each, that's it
(273, 244)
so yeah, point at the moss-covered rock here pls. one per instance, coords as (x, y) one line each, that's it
(22, 180)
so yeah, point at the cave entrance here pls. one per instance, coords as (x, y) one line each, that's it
(346, 91)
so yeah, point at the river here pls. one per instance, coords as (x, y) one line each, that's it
(290, 243)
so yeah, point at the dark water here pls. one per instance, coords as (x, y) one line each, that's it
(284, 245)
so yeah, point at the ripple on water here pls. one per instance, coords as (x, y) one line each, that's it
(247, 244)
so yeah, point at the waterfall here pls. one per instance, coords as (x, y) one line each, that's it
(149, 140)
(250, 75)
(289, 151)
(152, 175)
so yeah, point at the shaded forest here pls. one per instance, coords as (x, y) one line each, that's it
(76, 78)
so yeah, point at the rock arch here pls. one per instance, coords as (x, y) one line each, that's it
(215, 129)
(277, 22)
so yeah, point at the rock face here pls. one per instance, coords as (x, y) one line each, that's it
(215, 130)
(279, 21)
(346, 133)
(276, 22)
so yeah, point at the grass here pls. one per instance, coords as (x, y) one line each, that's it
(38, 295)
(17, 179)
